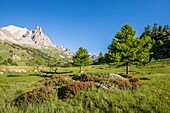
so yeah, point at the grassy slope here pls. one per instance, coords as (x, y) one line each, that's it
(153, 96)
(25, 52)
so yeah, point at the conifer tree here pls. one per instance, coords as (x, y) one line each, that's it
(127, 49)
(82, 58)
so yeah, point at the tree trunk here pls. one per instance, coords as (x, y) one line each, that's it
(80, 69)
(56, 69)
(127, 68)
(38, 69)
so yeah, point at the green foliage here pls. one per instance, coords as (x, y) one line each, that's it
(1, 60)
(128, 49)
(82, 58)
(55, 64)
(101, 58)
(160, 35)
(36, 62)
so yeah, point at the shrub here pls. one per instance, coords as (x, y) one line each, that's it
(55, 81)
(135, 84)
(133, 79)
(79, 77)
(73, 89)
(37, 95)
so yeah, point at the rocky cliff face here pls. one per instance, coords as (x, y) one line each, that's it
(34, 38)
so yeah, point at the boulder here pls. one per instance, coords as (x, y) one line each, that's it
(1, 73)
(104, 86)
(116, 76)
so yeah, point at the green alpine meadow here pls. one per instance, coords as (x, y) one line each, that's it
(88, 56)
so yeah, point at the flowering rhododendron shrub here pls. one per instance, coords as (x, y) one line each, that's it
(55, 81)
(73, 89)
(131, 79)
(135, 84)
(37, 95)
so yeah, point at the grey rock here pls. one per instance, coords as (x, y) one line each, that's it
(104, 86)
(15, 57)
(117, 76)
(1, 73)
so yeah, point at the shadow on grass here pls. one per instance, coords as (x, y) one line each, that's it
(15, 75)
(22, 75)
(43, 74)
(65, 72)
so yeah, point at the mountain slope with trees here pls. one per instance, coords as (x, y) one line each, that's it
(161, 36)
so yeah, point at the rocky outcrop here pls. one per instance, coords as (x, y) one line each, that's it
(1, 73)
(94, 58)
(16, 57)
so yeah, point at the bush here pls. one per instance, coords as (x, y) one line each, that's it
(73, 89)
(79, 77)
(133, 79)
(55, 81)
(37, 95)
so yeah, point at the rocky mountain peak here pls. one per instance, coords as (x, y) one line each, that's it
(18, 35)
(38, 30)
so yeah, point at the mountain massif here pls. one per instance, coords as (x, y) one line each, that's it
(35, 38)
(24, 42)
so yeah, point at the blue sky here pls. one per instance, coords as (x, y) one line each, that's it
(88, 23)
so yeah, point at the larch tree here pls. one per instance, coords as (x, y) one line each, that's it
(55, 64)
(127, 49)
(81, 58)
(36, 62)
